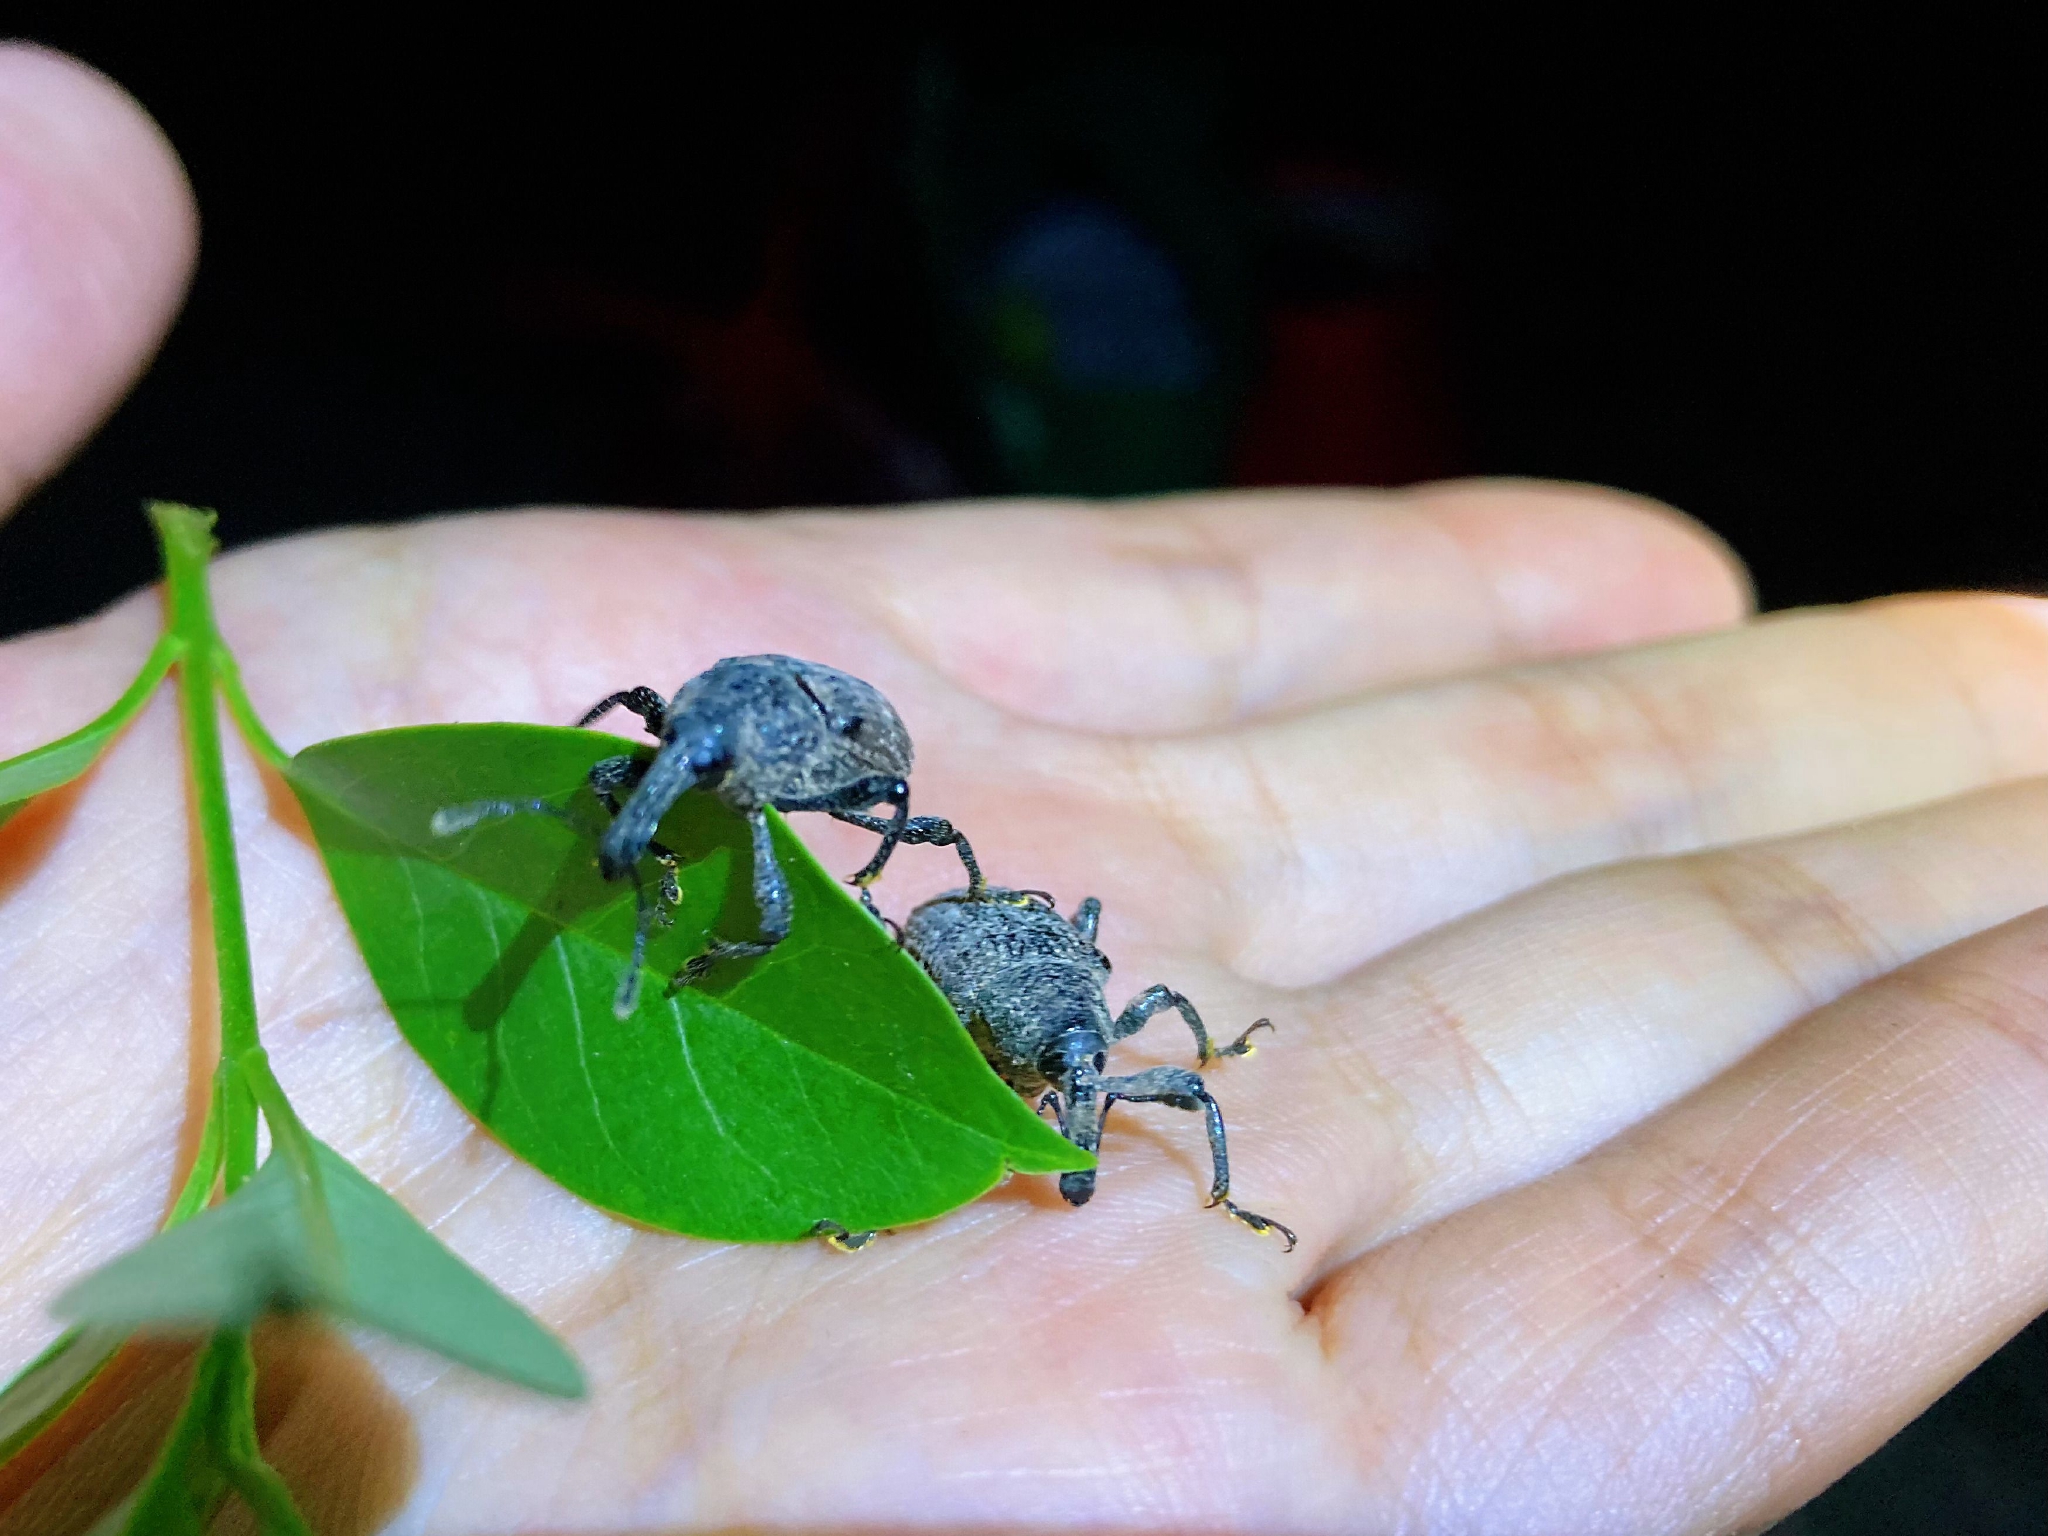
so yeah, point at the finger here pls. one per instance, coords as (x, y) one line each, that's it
(1198, 611)
(1703, 1324)
(1162, 614)
(97, 234)
(1491, 1053)
(1322, 841)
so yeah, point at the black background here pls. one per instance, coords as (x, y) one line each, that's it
(1789, 287)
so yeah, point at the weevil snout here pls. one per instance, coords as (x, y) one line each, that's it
(613, 863)
(1074, 1063)
(1083, 1127)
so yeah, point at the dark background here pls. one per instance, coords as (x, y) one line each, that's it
(1791, 290)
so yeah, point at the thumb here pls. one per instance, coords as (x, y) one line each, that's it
(97, 236)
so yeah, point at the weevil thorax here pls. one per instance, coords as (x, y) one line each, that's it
(794, 734)
(1026, 985)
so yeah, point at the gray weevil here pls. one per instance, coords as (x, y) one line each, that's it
(756, 731)
(1028, 985)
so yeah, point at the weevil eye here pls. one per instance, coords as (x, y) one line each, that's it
(848, 725)
(1101, 1060)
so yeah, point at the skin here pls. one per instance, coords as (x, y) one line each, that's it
(1660, 1083)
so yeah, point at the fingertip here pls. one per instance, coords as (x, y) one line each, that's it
(1583, 567)
(98, 232)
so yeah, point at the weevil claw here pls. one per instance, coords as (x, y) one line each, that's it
(1242, 1045)
(1252, 1219)
(838, 1238)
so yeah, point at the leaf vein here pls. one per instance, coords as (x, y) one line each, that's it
(583, 1051)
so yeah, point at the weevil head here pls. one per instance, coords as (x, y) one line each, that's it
(800, 735)
(1074, 1058)
(862, 729)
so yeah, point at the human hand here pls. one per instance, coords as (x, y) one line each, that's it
(1658, 1086)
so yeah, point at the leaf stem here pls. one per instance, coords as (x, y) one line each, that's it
(205, 1172)
(133, 697)
(245, 1081)
(187, 539)
(252, 726)
(63, 760)
(212, 1451)
(154, 669)
(293, 1142)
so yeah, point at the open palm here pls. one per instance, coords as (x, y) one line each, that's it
(1661, 1051)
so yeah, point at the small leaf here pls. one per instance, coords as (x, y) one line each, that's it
(48, 1384)
(828, 1080)
(229, 1264)
(24, 777)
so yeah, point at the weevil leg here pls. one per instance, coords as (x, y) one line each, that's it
(1159, 998)
(606, 778)
(892, 833)
(647, 916)
(895, 928)
(671, 895)
(1088, 918)
(609, 775)
(1051, 1101)
(1258, 1223)
(838, 1238)
(771, 896)
(771, 886)
(644, 702)
(645, 913)
(1242, 1045)
(1179, 1088)
(451, 819)
(936, 830)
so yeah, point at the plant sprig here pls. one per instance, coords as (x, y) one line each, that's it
(304, 1229)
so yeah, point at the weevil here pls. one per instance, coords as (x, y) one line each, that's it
(756, 731)
(1028, 984)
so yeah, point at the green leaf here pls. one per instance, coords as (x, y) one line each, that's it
(48, 1384)
(828, 1080)
(24, 777)
(211, 1451)
(229, 1264)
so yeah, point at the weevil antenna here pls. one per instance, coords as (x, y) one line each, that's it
(627, 998)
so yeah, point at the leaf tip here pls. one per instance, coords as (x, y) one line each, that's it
(561, 1376)
(1052, 1153)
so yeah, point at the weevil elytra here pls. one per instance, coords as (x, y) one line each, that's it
(756, 731)
(1028, 984)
